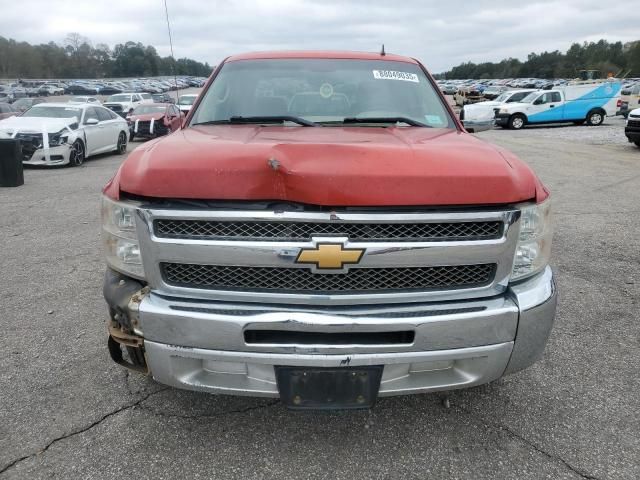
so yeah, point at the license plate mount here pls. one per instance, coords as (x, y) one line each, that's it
(310, 388)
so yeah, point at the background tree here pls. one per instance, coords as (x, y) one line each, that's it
(601, 55)
(76, 57)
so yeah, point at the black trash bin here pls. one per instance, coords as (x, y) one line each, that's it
(11, 172)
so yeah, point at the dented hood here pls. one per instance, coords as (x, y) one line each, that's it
(146, 117)
(14, 125)
(333, 166)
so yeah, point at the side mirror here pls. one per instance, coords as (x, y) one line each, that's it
(538, 101)
(91, 121)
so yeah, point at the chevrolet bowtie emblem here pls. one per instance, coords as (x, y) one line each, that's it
(330, 256)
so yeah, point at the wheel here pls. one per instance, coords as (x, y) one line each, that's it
(122, 143)
(637, 143)
(579, 122)
(517, 121)
(76, 156)
(595, 118)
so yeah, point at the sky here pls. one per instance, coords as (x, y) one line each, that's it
(441, 34)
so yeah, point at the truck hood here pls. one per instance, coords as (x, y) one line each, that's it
(516, 107)
(332, 166)
(122, 104)
(490, 103)
(146, 117)
(34, 124)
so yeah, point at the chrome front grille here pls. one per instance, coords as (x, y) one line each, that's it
(356, 232)
(254, 255)
(300, 280)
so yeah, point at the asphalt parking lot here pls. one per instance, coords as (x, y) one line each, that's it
(67, 411)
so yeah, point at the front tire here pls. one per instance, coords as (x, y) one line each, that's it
(122, 143)
(517, 121)
(77, 154)
(595, 118)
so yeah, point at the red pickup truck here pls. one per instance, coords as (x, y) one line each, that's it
(323, 230)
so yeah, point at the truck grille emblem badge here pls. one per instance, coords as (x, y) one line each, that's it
(330, 256)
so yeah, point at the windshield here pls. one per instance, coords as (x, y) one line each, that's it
(53, 112)
(502, 97)
(530, 98)
(323, 90)
(119, 98)
(142, 109)
(187, 100)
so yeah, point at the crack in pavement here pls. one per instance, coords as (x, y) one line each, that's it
(538, 449)
(221, 414)
(615, 184)
(126, 381)
(579, 214)
(81, 430)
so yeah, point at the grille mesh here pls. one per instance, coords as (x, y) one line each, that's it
(633, 123)
(287, 231)
(301, 280)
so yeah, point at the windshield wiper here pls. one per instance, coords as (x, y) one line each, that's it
(237, 120)
(407, 120)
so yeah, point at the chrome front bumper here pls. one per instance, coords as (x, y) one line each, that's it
(200, 344)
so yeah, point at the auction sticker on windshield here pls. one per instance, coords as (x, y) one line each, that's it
(395, 75)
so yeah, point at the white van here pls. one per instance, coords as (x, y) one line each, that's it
(577, 102)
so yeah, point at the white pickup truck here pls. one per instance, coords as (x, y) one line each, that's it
(480, 116)
(123, 103)
(578, 103)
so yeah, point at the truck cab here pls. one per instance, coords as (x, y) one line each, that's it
(577, 103)
(322, 229)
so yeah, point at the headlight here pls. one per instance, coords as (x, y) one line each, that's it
(503, 110)
(534, 244)
(120, 239)
(59, 138)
